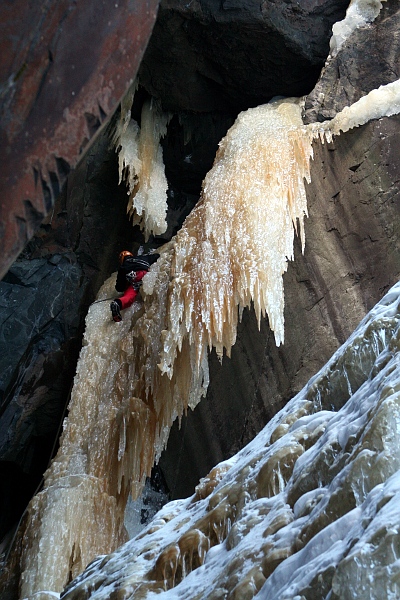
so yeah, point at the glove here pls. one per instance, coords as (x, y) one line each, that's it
(131, 276)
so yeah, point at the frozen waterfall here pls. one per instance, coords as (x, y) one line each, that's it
(134, 378)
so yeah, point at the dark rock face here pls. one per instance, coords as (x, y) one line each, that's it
(231, 55)
(39, 320)
(43, 302)
(190, 146)
(64, 67)
(369, 59)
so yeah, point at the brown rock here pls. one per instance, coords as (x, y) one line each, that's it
(65, 66)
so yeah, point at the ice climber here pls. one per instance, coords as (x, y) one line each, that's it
(131, 271)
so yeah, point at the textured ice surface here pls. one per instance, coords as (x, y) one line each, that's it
(310, 509)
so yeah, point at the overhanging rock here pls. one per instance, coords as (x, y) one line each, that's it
(65, 66)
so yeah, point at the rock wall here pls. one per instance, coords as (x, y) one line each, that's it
(65, 64)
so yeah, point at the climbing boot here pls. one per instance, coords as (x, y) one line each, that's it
(116, 311)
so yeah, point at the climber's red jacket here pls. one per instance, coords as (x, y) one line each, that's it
(129, 275)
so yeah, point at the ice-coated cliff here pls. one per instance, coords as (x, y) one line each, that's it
(309, 509)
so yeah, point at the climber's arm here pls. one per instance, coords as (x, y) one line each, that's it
(120, 284)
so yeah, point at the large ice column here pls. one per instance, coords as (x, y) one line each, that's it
(120, 414)
(234, 246)
(79, 512)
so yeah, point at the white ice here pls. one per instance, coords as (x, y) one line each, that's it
(328, 527)
(358, 14)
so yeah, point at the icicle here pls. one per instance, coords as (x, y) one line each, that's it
(141, 165)
(148, 202)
